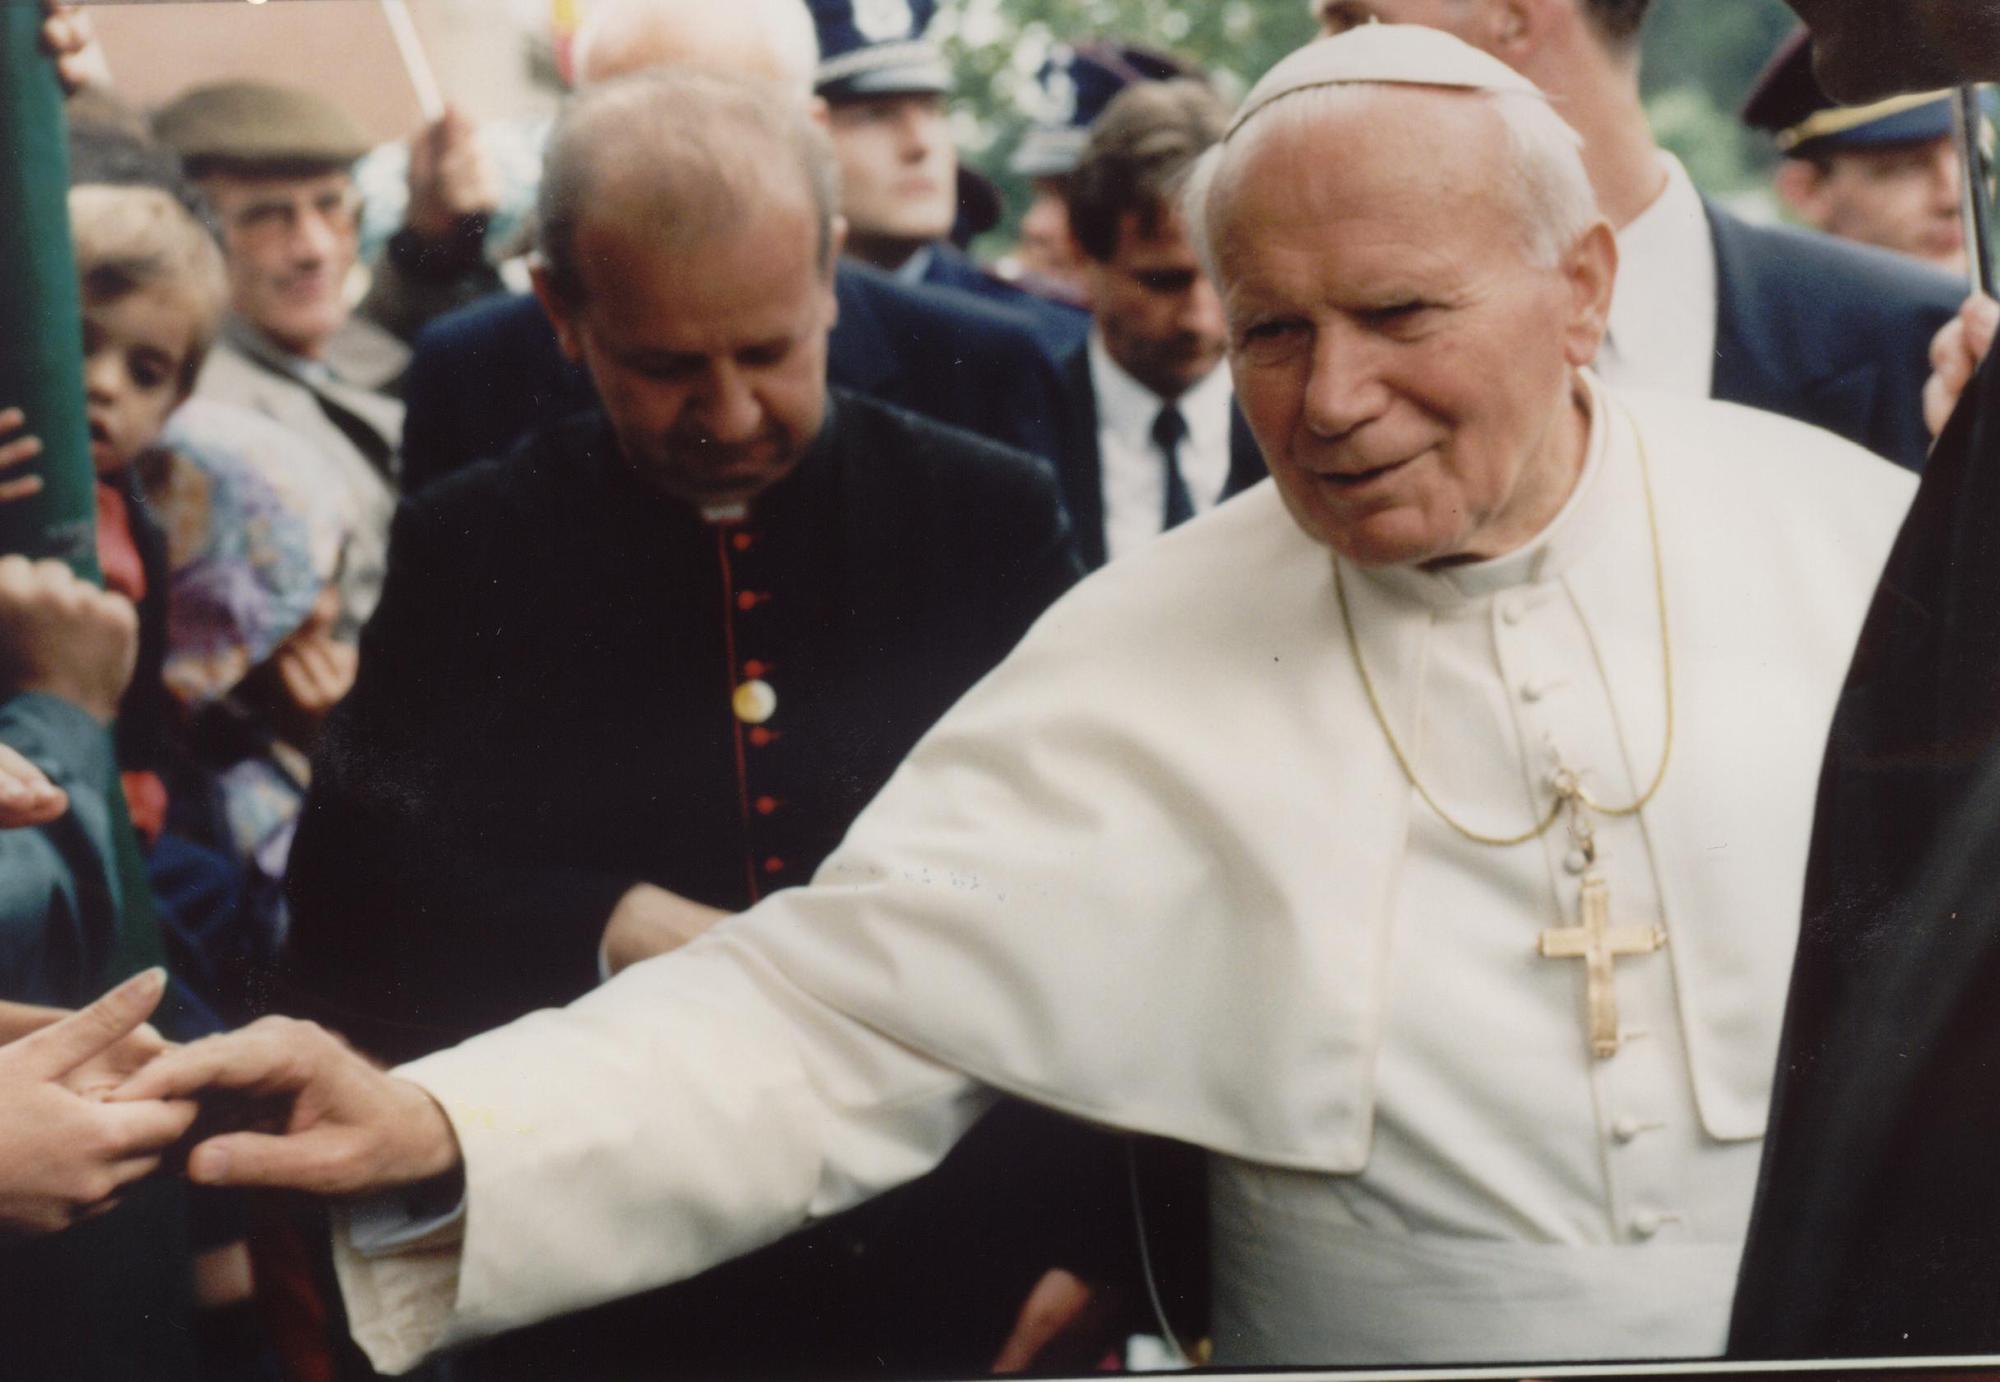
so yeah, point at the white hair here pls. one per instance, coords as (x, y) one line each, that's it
(1544, 176)
(613, 31)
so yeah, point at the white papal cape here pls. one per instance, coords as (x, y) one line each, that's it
(1160, 870)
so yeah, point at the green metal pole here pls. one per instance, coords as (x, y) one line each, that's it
(41, 315)
(109, 1299)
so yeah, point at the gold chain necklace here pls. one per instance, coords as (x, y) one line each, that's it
(1569, 789)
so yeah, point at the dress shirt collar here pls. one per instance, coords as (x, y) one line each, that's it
(1128, 408)
(1576, 527)
(1662, 327)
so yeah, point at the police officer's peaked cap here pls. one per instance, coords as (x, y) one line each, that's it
(877, 48)
(1072, 88)
(1788, 103)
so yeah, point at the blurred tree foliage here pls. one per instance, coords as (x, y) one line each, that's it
(1700, 59)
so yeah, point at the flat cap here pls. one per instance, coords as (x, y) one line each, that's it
(258, 122)
(1395, 54)
(1071, 90)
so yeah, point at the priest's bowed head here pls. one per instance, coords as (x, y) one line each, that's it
(1076, 890)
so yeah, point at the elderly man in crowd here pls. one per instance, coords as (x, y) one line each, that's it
(647, 669)
(1439, 810)
(1708, 305)
(1159, 438)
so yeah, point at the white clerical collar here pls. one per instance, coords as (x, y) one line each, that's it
(1568, 535)
(1662, 326)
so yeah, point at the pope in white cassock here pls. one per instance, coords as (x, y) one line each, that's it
(1422, 833)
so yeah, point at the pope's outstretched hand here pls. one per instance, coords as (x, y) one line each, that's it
(345, 1126)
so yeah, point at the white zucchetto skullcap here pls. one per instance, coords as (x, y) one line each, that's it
(1398, 54)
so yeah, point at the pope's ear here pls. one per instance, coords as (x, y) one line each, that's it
(1591, 270)
(1513, 28)
(562, 313)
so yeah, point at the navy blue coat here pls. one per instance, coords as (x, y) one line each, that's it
(486, 375)
(1081, 472)
(1059, 327)
(1828, 332)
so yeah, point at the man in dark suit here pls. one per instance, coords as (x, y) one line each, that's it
(1159, 436)
(645, 669)
(886, 87)
(1788, 321)
(483, 376)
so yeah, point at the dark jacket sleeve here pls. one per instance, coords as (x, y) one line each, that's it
(58, 882)
(407, 934)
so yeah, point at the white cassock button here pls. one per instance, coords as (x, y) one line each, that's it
(1576, 861)
(1531, 691)
(1646, 1222)
(754, 702)
(1513, 611)
(1627, 1128)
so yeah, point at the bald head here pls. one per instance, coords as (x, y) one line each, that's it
(686, 158)
(771, 40)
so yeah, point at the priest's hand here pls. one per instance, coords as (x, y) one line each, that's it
(451, 178)
(1956, 351)
(66, 37)
(65, 1156)
(651, 921)
(346, 1127)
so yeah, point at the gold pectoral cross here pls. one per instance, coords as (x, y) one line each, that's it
(1598, 944)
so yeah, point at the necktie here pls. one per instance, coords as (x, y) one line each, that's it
(1168, 430)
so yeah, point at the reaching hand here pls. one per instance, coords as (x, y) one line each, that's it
(348, 1128)
(65, 1156)
(63, 636)
(27, 797)
(1956, 351)
(15, 452)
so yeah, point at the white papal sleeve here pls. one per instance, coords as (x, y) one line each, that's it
(694, 1108)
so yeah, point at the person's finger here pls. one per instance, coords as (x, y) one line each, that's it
(97, 1210)
(1981, 318)
(61, 1046)
(320, 1160)
(264, 1056)
(19, 449)
(27, 797)
(132, 1168)
(147, 1126)
(20, 489)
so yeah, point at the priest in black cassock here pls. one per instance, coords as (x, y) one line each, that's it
(1877, 1228)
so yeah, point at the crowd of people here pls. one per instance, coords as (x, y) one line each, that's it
(785, 803)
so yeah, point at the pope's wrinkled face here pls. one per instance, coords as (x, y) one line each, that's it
(1865, 49)
(1408, 370)
(710, 355)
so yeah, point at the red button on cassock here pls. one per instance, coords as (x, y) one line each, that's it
(741, 542)
(774, 865)
(748, 600)
(766, 805)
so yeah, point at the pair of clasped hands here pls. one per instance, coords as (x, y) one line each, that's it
(95, 1100)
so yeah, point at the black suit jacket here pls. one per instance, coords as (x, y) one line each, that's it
(1828, 332)
(1060, 327)
(486, 375)
(543, 718)
(1081, 471)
